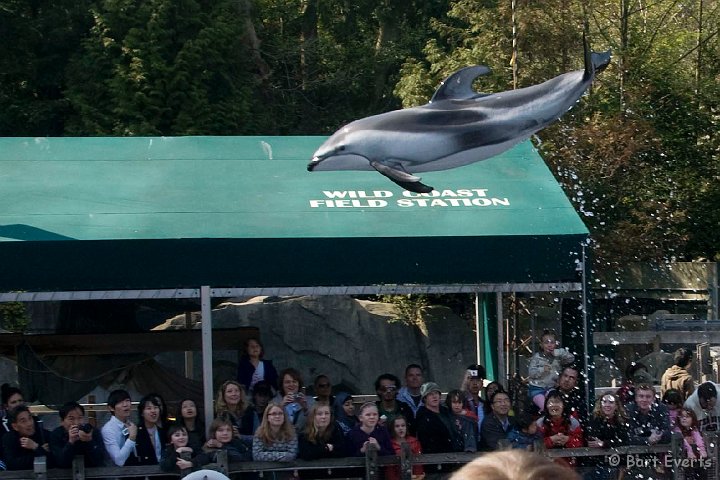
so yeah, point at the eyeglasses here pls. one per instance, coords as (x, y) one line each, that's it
(607, 400)
(501, 400)
(389, 388)
(323, 385)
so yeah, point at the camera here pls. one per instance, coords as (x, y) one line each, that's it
(85, 427)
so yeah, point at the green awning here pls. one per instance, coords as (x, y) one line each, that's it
(243, 212)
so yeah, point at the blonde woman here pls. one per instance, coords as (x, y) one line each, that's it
(275, 439)
(322, 438)
(368, 431)
(232, 403)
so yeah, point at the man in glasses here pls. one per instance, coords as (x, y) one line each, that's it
(323, 389)
(497, 425)
(387, 386)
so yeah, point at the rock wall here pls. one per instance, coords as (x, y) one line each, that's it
(352, 341)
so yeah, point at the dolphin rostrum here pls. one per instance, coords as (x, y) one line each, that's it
(457, 127)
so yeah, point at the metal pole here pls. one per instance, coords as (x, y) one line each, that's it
(586, 330)
(713, 284)
(207, 354)
(478, 330)
(502, 374)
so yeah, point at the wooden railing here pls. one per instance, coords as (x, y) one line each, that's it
(371, 465)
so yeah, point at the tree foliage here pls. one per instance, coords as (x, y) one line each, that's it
(638, 156)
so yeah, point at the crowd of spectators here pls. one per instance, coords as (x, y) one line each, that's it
(264, 415)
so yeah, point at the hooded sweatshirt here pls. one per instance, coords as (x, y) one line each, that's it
(708, 420)
(679, 379)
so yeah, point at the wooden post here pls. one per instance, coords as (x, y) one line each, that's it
(713, 453)
(371, 466)
(222, 461)
(92, 415)
(406, 460)
(78, 467)
(702, 352)
(676, 446)
(189, 366)
(40, 468)
(187, 456)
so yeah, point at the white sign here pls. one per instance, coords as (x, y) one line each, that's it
(463, 197)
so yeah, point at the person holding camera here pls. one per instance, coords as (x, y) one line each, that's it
(291, 396)
(76, 437)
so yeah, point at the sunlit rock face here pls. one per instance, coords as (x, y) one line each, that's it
(352, 341)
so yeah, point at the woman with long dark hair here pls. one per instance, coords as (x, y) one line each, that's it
(253, 367)
(188, 416)
(557, 428)
(150, 435)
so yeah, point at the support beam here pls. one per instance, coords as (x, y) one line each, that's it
(207, 354)
(502, 376)
(480, 353)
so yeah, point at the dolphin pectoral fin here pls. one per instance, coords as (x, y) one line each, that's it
(417, 187)
(406, 180)
(398, 174)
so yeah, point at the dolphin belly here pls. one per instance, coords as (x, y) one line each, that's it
(463, 157)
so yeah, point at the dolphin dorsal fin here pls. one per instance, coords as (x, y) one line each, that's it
(458, 86)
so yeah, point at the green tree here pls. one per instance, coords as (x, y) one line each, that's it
(165, 67)
(638, 156)
(36, 41)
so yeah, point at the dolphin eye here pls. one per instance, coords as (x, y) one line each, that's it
(341, 148)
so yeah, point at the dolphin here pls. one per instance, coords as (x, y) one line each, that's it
(457, 127)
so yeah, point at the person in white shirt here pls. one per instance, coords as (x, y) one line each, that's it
(119, 433)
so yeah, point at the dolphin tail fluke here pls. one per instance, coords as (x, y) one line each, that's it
(594, 62)
(601, 60)
(406, 180)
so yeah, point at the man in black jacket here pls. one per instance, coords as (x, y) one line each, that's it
(75, 437)
(26, 441)
(497, 425)
(434, 424)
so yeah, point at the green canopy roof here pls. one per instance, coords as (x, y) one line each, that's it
(180, 212)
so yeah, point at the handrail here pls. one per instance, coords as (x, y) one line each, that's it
(371, 464)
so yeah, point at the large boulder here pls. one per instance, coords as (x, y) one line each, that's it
(352, 341)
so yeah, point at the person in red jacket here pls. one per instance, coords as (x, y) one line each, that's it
(399, 434)
(558, 428)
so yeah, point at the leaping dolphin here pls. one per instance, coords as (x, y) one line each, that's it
(457, 127)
